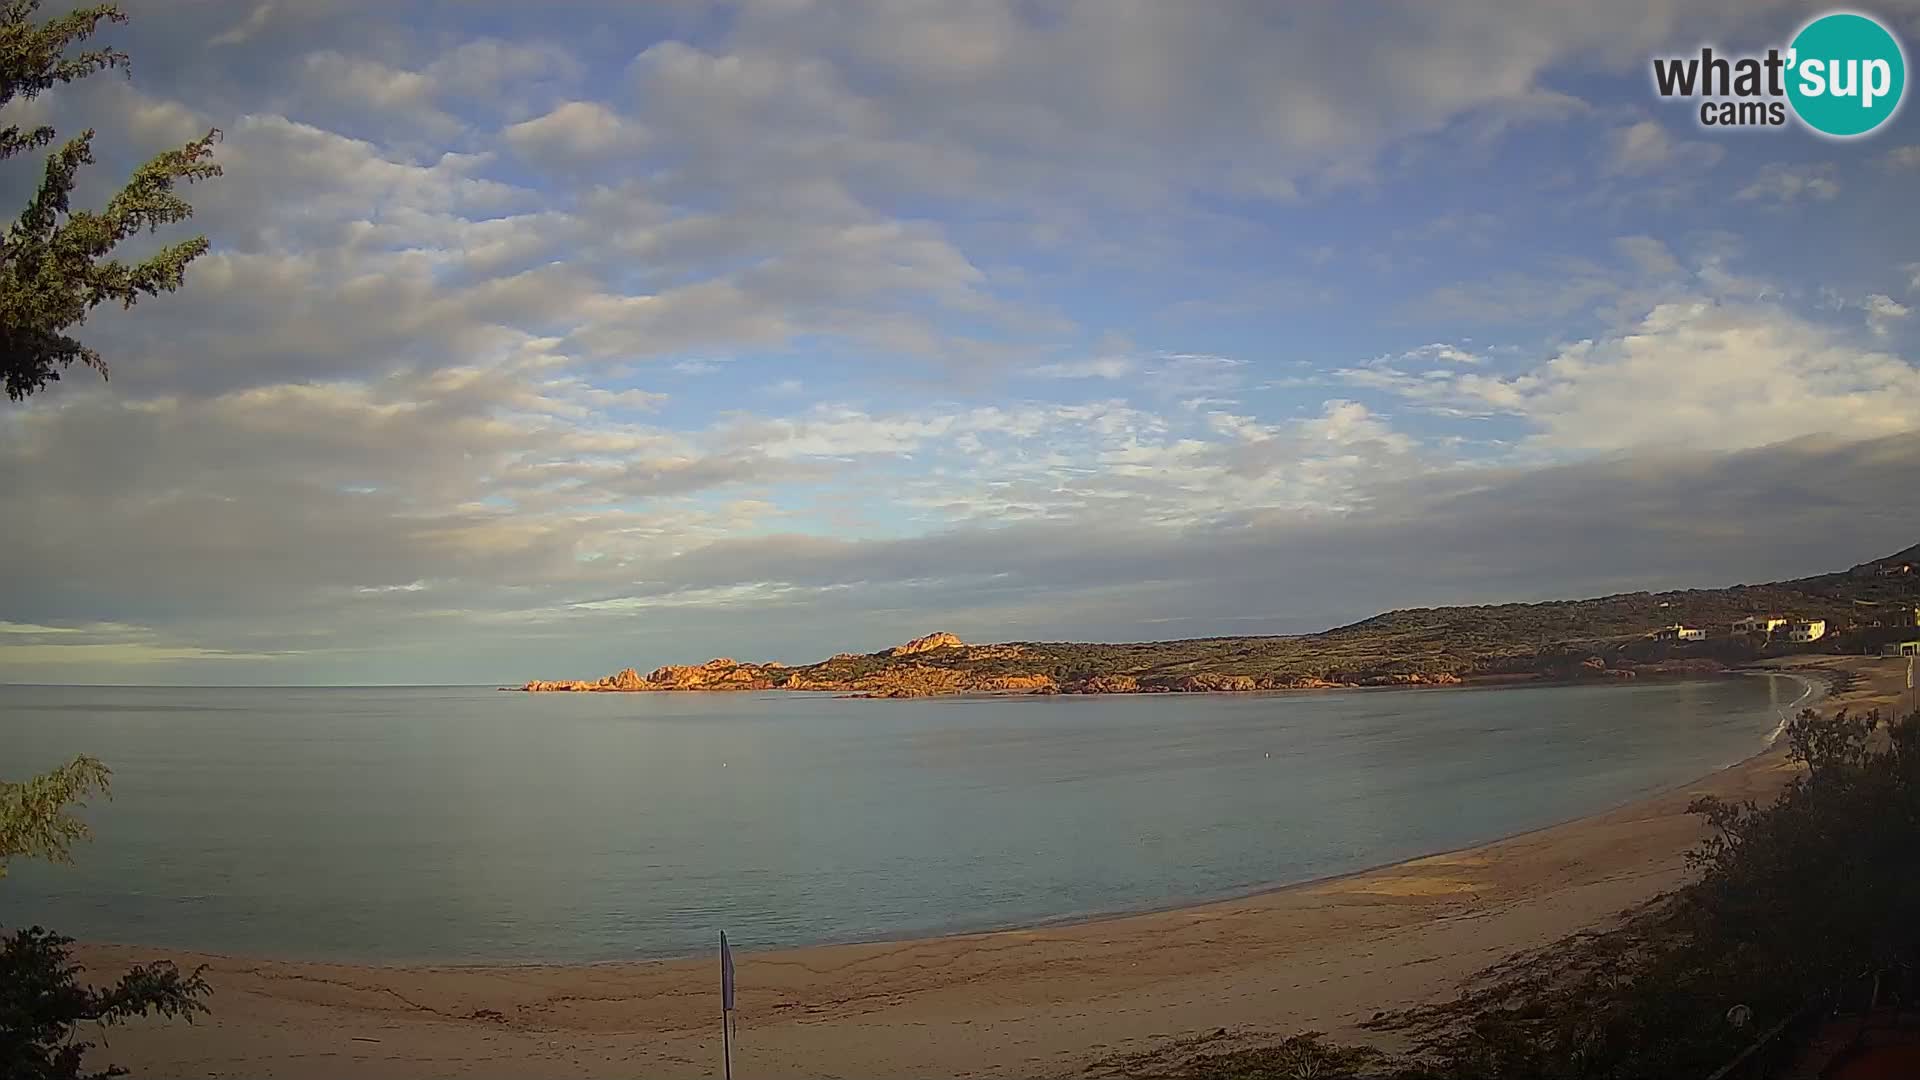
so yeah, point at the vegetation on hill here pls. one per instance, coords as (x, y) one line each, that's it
(1804, 907)
(1601, 637)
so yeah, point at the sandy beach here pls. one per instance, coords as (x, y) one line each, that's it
(1041, 1002)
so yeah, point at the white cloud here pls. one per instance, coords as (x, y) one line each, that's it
(1444, 353)
(574, 134)
(1781, 185)
(336, 181)
(1093, 367)
(1702, 374)
(368, 84)
(1187, 373)
(1647, 147)
(1882, 312)
(508, 73)
(1650, 255)
(1903, 157)
(1113, 94)
(255, 21)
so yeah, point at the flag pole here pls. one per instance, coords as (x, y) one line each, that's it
(726, 1009)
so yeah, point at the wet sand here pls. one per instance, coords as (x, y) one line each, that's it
(1323, 955)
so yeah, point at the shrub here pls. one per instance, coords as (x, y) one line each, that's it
(43, 1005)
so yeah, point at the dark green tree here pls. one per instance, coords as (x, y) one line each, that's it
(43, 1004)
(56, 262)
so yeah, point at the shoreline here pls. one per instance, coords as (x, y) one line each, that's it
(1041, 999)
(1815, 691)
(1463, 682)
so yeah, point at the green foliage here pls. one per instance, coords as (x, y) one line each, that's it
(43, 1005)
(1305, 1056)
(55, 264)
(34, 822)
(42, 1002)
(1554, 638)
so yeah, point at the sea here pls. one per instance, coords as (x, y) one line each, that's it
(467, 825)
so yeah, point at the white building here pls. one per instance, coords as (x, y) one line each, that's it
(1677, 632)
(1807, 630)
(1759, 624)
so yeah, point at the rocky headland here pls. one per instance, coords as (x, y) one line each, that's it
(1605, 638)
(941, 663)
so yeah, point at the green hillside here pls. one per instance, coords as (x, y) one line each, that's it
(1604, 637)
(1454, 641)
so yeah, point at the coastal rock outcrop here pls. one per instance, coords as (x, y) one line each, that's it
(1032, 684)
(1414, 678)
(721, 673)
(941, 640)
(629, 679)
(1307, 682)
(1204, 682)
(626, 679)
(718, 674)
(857, 676)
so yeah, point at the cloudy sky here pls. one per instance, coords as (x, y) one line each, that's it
(539, 340)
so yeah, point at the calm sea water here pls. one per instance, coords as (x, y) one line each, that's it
(462, 824)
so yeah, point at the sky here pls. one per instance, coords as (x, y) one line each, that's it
(544, 340)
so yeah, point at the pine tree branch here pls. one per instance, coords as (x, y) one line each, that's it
(33, 57)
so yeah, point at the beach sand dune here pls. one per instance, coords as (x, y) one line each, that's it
(1048, 1001)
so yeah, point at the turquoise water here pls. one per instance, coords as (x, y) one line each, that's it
(463, 824)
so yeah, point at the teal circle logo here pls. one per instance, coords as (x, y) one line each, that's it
(1846, 76)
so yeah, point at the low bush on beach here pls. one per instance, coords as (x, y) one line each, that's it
(43, 1006)
(1303, 1056)
(1796, 902)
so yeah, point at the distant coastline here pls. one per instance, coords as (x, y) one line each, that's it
(1677, 634)
(942, 664)
(1638, 635)
(723, 675)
